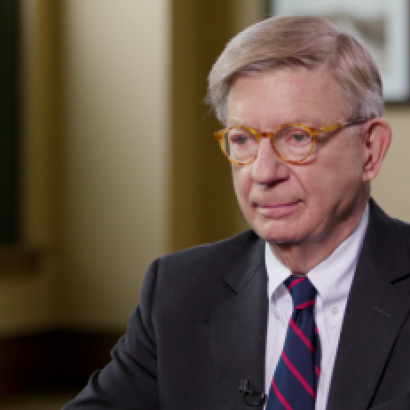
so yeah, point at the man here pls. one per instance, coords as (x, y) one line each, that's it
(301, 106)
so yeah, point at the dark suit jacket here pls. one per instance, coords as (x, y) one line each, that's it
(200, 328)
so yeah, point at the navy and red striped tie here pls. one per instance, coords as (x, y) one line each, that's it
(296, 376)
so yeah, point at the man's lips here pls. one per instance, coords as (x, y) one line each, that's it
(267, 204)
(275, 210)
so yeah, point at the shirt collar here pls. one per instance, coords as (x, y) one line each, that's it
(333, 277)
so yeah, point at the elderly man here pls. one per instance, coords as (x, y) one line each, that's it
(310, 308)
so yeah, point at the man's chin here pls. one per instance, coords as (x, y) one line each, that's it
(278, 233)
(284, 239)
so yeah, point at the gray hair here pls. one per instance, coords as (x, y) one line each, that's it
(309, 42)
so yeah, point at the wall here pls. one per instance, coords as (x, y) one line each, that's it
(204, 207)
(115, 195)
(391, 188)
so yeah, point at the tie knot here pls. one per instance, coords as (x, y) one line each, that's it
(302, 291)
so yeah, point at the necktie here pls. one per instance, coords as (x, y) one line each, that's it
(297, 373)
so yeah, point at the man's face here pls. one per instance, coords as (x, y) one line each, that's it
(317, 202)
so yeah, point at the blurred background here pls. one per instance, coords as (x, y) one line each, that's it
(107, 162)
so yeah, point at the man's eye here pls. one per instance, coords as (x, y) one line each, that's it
(240, 139)
(299, 138)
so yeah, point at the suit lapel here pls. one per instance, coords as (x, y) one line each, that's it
(238, 328)
(375, 312)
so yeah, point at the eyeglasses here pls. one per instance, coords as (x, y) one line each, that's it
(293, 143)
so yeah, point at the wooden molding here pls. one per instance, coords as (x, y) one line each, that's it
(52, 360)
(16, 259)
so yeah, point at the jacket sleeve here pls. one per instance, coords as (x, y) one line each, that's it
(129, 381)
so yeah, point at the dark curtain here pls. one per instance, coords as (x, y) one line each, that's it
(9, 119)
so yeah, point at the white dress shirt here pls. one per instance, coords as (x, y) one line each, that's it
(332, 279)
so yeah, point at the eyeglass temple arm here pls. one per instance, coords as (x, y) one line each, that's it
(343, 124)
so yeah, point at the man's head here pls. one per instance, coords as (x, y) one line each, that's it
(294, 41)
(300, 71)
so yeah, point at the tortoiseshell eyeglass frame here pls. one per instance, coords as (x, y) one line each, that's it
(313, 132)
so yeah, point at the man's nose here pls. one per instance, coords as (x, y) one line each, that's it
(268, 167)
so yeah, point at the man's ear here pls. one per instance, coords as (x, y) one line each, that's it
(376, 141)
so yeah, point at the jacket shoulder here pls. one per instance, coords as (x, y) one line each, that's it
(236, 243)
(203, 269)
